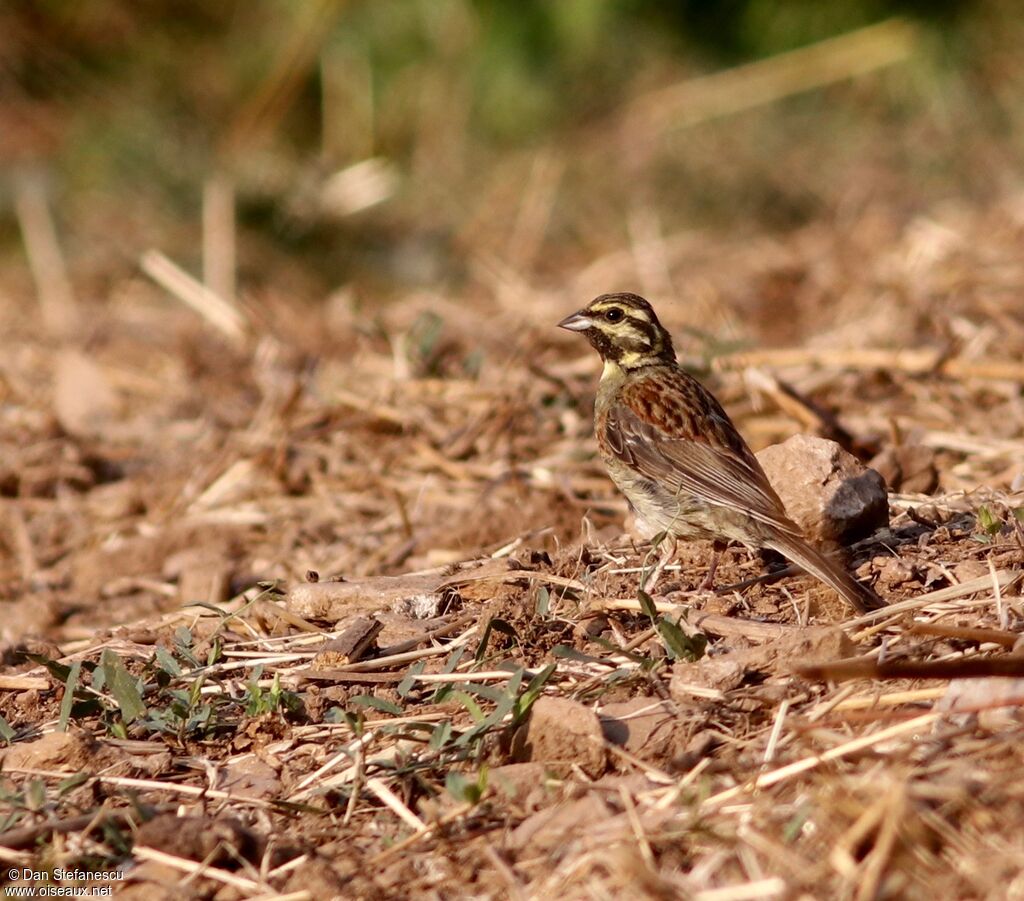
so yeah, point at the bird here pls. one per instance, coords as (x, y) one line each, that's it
(672, 450)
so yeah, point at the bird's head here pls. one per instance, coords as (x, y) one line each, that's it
(624, 330)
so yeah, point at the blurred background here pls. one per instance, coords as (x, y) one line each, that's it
(400, 143)
(279, 279)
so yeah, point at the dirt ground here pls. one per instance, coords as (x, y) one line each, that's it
(343, 604)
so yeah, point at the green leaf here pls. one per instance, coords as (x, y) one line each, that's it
(543, 601)
(482, 690)
(463, 789)
(200, 719)
(377, 704)
(35, 796)
(469, 704)
(409, 682)
(567, 652)
(195, 692)
(183, 647)
(681, 646)
(990, 523)
(445, 688)
(504, 707)
(123, 687)
(72, 782)
(441, 735)
(12, 819)
(457, 785)
(6, 732)
(533, 691)
(512, 686)
(537, 683)
(647, 605)
(119, 839)
(167, 663)
(453, 660)
(58, 670)
(68, 701)
(495, 624)
(791, 830)
(615, 649)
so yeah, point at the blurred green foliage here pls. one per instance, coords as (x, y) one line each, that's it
(131, 104)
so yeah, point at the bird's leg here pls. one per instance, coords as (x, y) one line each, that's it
(667, 554)
(716, 554)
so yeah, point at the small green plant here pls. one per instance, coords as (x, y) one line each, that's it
(679, 644)
(165, 694)
(467, 790)
(996, 520)
(260, 701)
(990, 522)
(34, 797)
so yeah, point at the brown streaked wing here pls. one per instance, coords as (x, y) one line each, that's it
(667, 427)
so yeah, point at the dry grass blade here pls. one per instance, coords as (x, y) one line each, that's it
(220, 313)
(729, 92)
(750, 891)
(1004, 579)
(39, 233)
(394, 803)
(909, 361)
(195, 869)
(970, 668)
(781, 774)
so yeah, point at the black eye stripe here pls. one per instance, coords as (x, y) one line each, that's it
(641, 325)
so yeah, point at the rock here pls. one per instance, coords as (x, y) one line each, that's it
(250, 777)
(30, 617)
(561, 731)
(335, 601)
(893, 571)
(909, 468)
(70, 751)
(995, 703)
(827, 492)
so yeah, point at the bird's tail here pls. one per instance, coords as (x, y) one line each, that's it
(858, 595)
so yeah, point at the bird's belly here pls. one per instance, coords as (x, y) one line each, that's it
(658, 510)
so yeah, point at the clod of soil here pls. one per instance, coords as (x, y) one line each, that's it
(563, 732)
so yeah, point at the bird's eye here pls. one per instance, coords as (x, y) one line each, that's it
(613, 315)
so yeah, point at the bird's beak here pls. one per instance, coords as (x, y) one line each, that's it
(577, 322)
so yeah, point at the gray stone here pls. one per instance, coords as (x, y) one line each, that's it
(827, 492)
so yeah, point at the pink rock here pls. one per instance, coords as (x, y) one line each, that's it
(827, 492)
